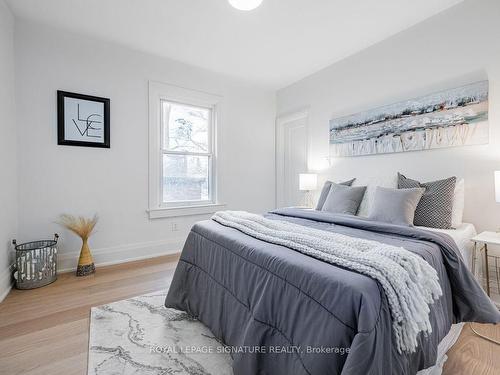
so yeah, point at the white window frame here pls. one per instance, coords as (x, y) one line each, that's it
(159, 92)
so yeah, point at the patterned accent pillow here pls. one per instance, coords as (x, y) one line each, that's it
(436, 205)
(326, 190)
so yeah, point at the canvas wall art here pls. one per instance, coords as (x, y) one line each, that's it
(450, 118)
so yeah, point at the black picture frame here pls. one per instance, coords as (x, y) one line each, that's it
(61, 140)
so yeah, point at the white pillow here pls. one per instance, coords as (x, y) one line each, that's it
(457, 212)
(371, 184)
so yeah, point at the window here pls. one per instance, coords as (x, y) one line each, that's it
(187, 154)
(182, 151)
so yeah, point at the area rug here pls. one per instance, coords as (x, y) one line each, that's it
(139, 336)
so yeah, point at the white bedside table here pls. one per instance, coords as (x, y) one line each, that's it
(481, 242)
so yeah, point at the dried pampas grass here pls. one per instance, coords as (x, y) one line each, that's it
(81, 226)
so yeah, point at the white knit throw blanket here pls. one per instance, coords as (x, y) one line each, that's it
(409, 282)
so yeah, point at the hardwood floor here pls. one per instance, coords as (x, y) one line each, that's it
(473, 355)
(45, 331)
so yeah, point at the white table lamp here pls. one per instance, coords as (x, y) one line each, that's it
(307, 183)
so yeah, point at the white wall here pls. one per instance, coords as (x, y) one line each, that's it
(453, 48)
(8, 175)
(114, 182)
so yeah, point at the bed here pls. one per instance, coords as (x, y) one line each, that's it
(289, 313)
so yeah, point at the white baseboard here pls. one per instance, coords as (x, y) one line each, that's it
(5, 282)
(67, 262)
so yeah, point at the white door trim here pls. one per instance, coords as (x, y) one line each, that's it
(281, 122)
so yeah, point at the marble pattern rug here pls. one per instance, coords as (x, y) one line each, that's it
(140, 336)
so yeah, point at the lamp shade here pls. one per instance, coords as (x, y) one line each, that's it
(497, 186)
(245, 4)
(308, 181)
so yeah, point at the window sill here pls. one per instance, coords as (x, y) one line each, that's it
(158, 213)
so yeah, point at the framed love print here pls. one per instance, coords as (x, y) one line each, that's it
(82, 120)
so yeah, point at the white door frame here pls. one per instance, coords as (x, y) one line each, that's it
(281, 122)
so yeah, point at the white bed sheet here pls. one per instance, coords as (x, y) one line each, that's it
(462, 237)
(446, 343)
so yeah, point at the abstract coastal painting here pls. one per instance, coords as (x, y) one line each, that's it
(450, 118)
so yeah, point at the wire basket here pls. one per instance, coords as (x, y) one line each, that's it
(36, 263)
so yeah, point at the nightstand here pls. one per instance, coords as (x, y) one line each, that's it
(481, 242)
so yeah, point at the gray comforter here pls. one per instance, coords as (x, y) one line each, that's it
(287, 313)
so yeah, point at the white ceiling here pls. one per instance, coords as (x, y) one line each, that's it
(275, 45)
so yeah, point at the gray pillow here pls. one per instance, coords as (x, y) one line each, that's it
(344, 199)
(326, 190)
(436, 206)
(395, 206)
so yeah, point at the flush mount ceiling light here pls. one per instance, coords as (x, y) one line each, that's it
(245, 4)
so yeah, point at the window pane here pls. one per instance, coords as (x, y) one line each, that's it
(185, 178)
(185, 128)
